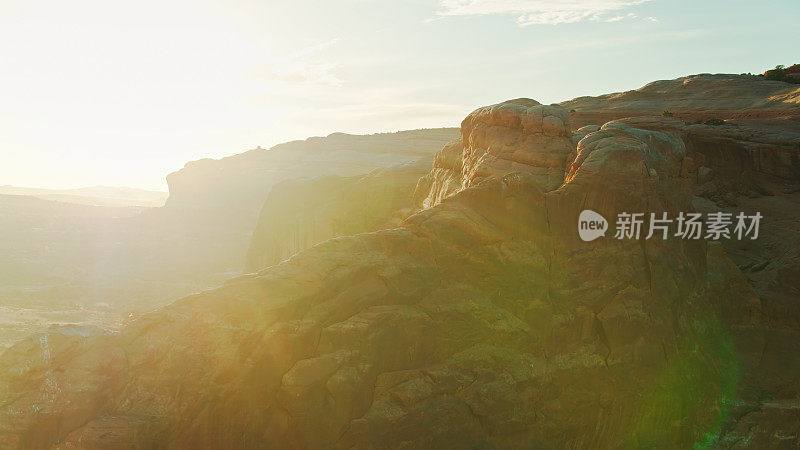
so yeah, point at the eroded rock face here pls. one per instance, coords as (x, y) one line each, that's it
(739, 153)
(483, 321)
(516, 136)
(444, 178)
(301, 213)
(581, 132)
(751, 166)
(736, 158)
(746, 166)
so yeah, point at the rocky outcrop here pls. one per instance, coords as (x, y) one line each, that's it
(516, 136)
(738, 154)
(301, 213)
(480, 321)
(483, 321)
(581, 132)
(444, 178)
(692, 98)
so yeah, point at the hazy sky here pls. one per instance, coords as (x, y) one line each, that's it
(122, 93)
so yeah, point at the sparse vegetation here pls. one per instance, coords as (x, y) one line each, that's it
(783, 73)
(714, 121)
(666, 113)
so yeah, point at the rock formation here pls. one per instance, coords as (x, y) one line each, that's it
(517, 136)
(301, 213)
(692, 98)
(237, 186)
(482, 321)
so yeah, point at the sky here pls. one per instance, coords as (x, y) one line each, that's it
(122, 93)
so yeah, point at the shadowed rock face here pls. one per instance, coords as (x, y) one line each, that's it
(746, 149)
(482, 321)
(301, 213)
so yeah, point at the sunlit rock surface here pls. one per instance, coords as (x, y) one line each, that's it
(516, 136)
(482, 321)
(692, 98)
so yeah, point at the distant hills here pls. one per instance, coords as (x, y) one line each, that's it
(94, 195)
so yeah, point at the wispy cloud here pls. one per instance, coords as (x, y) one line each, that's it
(535, 12)
(618, 18)
(300, 68)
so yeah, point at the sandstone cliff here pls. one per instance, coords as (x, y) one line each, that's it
(301, 213)
(237, 186)
(482, 321)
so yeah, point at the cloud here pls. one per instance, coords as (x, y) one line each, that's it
(536, 12)
(618, 18)
(300, 68)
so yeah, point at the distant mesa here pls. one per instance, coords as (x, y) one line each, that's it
(237, 186)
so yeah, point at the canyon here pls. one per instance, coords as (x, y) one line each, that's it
(447, 301)
(94, 253)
